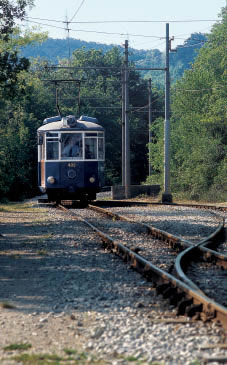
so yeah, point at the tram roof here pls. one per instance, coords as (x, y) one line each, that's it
(79, 126)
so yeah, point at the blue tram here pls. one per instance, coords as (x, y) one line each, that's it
(71, 158)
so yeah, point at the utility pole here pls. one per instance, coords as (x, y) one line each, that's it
(166, 196)
(123, 125)
(56, 96)
(67, 36)
(127, 132)
(79, 82)
(149, 124)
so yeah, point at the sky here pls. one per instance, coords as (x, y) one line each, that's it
(141, 22)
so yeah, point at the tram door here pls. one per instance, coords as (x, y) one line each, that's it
(41, 159)
(42, 165)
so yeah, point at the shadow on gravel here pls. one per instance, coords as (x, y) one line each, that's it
(55, 267)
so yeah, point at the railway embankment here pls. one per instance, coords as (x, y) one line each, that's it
(63, 296)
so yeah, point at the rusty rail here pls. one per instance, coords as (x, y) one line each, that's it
(189, 300)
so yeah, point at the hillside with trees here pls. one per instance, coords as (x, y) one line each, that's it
(54, 50)
(198, 124)
(180, 60)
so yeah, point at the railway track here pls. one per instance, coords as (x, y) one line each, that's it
(151, 211)
(168, 273)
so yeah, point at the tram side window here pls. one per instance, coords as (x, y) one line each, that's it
(52, 149)
(101, 148)
(91, 148)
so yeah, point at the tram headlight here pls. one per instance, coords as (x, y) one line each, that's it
(51, 180)
(72, 174)
(92, 179)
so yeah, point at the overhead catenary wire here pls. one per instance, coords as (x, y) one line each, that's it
(96, 32)
(70, 29)
(106, 68)
(128, 21)
(200, 41)
(199, 90)
(67, 25)
(77, 11)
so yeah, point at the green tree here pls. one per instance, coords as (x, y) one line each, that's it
(9, 13)
(199, 133)
(10, 63)
(20, 95)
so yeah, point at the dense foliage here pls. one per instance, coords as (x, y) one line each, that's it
(198, 136)
(10, 63)
(17, 138)
(199, 124)
(9, 13)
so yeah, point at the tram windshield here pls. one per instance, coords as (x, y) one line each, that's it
(71, 145)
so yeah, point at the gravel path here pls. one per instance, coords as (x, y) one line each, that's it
(134, 236)
(61, 292)
(189, 223)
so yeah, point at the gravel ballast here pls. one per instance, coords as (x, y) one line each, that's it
(189, 223)
(59, 289)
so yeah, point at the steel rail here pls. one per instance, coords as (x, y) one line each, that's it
(184, 258)
(176, 241)
(173, 240)
(188, 300)
(179, 243)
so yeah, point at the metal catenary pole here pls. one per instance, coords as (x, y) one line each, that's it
(127, 133)
(123, 126)
(149, 124)
(166, 196)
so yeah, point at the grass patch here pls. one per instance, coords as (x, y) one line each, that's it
(70, 352)
(7, 305)
(73, 358)
(17, 346)
(43, 252)
(19, 207)
(47, 236)
(131, 358)
(137, 360)
(38, 359)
